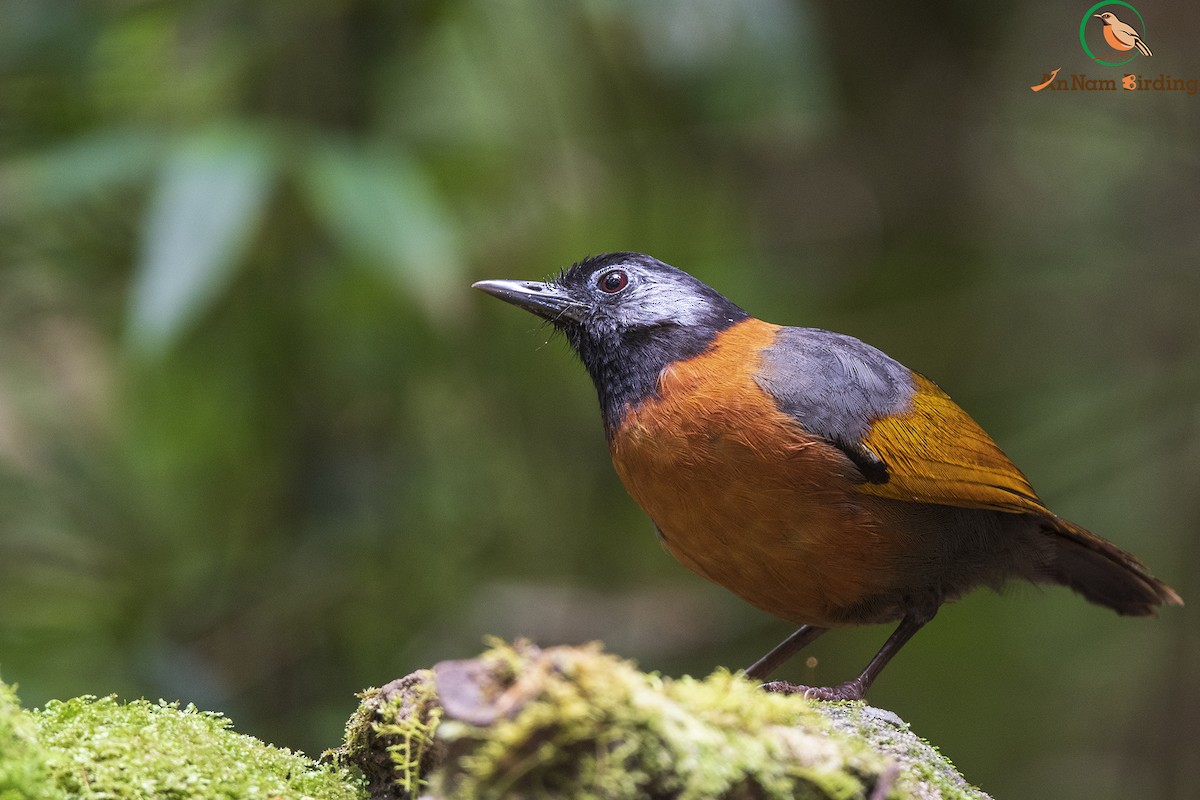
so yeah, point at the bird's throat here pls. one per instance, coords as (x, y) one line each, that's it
(626, 367)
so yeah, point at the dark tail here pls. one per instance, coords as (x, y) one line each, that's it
(1104, 573)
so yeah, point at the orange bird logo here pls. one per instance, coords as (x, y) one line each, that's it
(1120, 36)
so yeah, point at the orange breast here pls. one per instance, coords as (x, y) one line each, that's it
(1113, 41)
(743, 496)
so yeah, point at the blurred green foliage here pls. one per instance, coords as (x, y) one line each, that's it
(260, 447)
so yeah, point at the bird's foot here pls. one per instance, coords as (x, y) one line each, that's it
(850, 690)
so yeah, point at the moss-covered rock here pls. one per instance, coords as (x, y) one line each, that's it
(517, 722)
(574, 722)
(92, 747)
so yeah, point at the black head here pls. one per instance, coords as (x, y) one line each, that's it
(628, 316)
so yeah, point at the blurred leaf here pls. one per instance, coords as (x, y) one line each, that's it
(73, 171)
(385, 207)
(209, 198)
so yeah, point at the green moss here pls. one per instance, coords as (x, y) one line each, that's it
(24, 773)
(393, 733)
(98, 748)
(598, 726)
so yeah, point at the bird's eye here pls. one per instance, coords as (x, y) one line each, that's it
(613, 281)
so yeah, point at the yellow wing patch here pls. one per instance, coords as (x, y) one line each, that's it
(935, 453)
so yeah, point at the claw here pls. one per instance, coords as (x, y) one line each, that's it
(850, 690)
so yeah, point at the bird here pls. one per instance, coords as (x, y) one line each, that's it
(806, 471)
(1121, 36)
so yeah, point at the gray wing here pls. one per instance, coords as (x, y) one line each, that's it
(836, 386)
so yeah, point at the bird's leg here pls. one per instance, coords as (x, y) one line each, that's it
(856, 689)
(793, 644)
